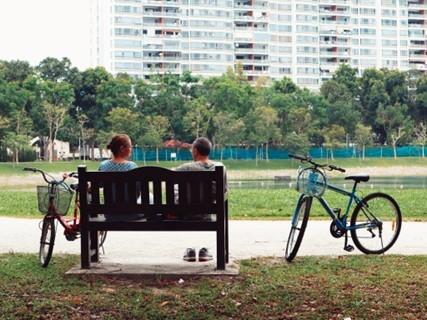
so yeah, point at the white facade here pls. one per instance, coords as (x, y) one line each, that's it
(305, 40)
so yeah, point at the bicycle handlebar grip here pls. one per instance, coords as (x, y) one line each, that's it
(73, 175)
(297, 157)
(336, 168)
(30, 169)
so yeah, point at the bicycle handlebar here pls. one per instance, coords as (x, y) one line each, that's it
(308, 159)
(51, 179)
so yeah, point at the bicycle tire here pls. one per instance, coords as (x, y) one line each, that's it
(47, 241)
(101, 237)
(390, 219)
(292, 246)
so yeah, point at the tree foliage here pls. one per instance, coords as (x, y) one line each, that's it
(86, 107)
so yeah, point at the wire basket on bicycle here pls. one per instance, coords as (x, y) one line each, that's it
(311, 181)
(61, 197)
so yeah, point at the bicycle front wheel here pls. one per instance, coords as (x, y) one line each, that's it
(299, 223)
(47, 241)
(375, 223)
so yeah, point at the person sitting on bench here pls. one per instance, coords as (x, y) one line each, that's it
(200, 150)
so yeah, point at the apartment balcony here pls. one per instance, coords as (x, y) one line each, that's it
(163, 3)
(160, 59)
(250, 18)
(161, 14)
(256, 72)
(251, 50)
(253, 61)
(335, 44)
(249, 6)
(334, 12)
(418, 66)
(335, 54)
(335, 2)
(250, 28)
(341, 33)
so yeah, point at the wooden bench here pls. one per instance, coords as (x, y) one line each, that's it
(182, 195)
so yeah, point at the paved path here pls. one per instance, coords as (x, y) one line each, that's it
(247, 239)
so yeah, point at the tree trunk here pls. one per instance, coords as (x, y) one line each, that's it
(332, 154)
(363, 152)
(256, 156)
(222, 153)
(157, 154)
(394, 150)
(422, 150)
(266, 152)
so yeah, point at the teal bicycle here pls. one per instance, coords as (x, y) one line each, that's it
(374, 224)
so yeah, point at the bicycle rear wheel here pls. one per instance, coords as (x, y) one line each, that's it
(299, 224)
(47, 241)
(379, 219)
(102, 235)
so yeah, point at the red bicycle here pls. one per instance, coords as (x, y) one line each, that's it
(54, 201)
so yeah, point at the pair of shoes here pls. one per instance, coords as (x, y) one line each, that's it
(190, 255)
(204, 255)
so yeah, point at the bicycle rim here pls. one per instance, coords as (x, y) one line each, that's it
(298, 227)
(381, 215)
(47, 241)
(102, 236)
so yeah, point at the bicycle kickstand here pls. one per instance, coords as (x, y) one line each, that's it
(347, 247)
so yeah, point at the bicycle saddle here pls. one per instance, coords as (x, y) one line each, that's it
(358, 177)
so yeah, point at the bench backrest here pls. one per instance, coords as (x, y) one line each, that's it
(152, 191)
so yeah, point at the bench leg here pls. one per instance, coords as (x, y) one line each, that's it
(227, 252)
(220, 248)
(85, 249)
(94, 246)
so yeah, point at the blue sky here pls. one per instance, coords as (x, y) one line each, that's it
(34, 29)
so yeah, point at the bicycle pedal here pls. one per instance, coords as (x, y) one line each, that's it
(349, 248)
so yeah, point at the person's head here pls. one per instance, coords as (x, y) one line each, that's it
(201, 148)
(120, 145)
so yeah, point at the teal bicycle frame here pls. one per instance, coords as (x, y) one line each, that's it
(341, 222)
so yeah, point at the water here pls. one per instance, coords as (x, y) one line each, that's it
(402, 182)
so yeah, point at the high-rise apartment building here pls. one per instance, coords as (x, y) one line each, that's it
(305, 40)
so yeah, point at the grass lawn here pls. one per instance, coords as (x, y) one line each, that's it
(356, 287)
(67, 166)
(244, 203)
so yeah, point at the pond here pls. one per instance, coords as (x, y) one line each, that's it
(398, 182)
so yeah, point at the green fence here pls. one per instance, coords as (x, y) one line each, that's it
(237, 153)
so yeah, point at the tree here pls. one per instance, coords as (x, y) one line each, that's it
(342, 108)
(296, 143)
(55, 115)
(261, 125)
(198, 117)
(347, 76)
(395, 122)
(285, 86)
(156, 129)
(421, 136)
(363, 137)
(372, 94)
(334, 137)
(124, 120)
(15, 70)
(56, 70)
(228, 130)
(58, 97)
